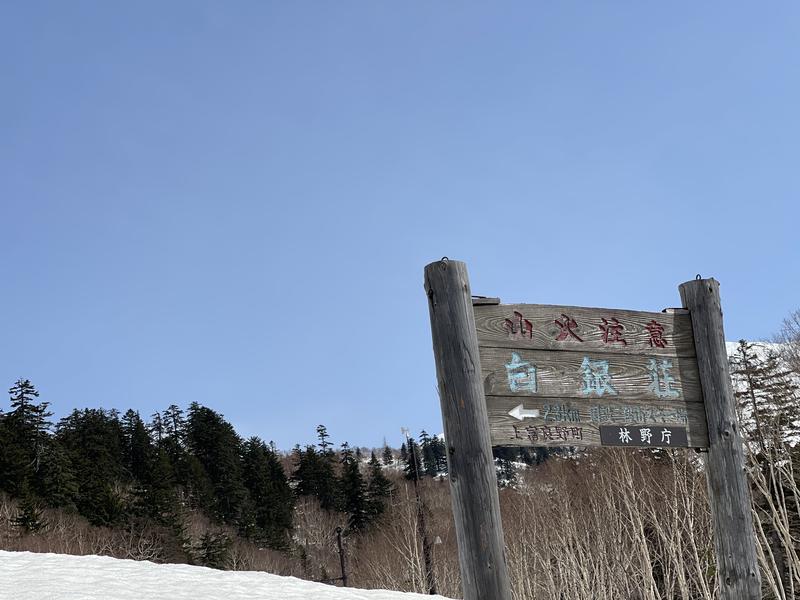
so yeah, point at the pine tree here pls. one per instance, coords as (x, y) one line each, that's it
(505, 469)
(440, 455)
(174, 423)
(174, 437)
(215, 550)
(15, 460)
(137, 447)
(169, 433)
(55, 481)
(157, 427)
(23, 437)
(353, 490)
(94, 442)
(314, 476)
(29, 518)
(428, 454)
(379, 489)
(217, 447)
(272, 504)
(388, 456)
(29, 415)
(413, 468)
(159, 498)
(324, 444)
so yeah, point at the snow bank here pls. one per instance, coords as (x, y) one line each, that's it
(29, 576)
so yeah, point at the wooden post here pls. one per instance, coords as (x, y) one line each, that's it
(473, 481)
(341, 556)
(737, 567)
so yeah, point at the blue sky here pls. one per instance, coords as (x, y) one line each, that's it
(233, 202)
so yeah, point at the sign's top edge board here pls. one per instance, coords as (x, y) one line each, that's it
(484, 300)
(481, 304)
(574, 328)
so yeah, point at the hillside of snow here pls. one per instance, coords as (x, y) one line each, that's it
(29, 576)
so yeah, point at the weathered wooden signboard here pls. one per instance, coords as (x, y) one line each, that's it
(536, 375)
(569, 376)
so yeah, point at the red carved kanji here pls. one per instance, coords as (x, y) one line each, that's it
(656, 331)
(520, 325)
(612, 331)
(567, 327)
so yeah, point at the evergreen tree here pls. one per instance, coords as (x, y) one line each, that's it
(30, 417)
(15, 460)
(324, 444)
(379, 489)
(23, 438)
(314, 476)
(215, 550)
(174, 441)
(217, 447)
(388, 456)
(94, 442)
(174, 424)
(440, 454)
(29, 518)
(353, 490)
(403, 453)
(198, 485)
(428, 455)
(55, 481)
(137, 447)
(157, 427)
(271, 498)
(504, 463)
(413, 468)
(169, 431)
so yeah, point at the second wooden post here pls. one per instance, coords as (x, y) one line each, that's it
(473, 481)
(728, 492)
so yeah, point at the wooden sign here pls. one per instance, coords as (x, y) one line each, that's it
(568, 376)
(535, 375)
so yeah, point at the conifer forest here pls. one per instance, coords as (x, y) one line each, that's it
(182, 486)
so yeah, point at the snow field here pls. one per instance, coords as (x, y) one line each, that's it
(30, 576)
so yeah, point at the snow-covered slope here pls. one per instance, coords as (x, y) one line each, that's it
(29, 576)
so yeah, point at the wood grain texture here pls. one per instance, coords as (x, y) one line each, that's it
(493, 330)
(588, 415)
(737, 568)
(559, 374)
(473, 482)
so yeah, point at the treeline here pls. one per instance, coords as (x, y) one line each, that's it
(118, 471)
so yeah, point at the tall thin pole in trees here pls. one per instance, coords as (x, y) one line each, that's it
(422, 529)
(341, 556)
(729, 495)
(473, 482)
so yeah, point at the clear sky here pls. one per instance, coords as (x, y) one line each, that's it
(233, 202)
